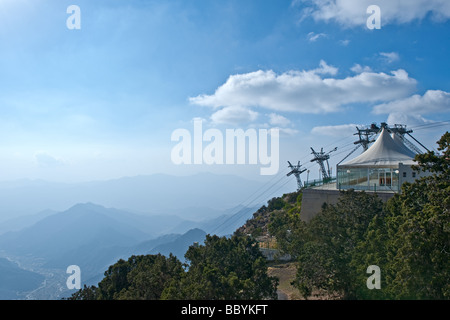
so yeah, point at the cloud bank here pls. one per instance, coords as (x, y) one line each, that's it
(433, 101)
(351, 13)
(320, 91)
(316, 91)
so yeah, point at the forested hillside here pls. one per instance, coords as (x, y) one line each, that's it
(407, 239)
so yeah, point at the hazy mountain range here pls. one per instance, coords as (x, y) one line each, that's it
(194, 197)
(94, 237)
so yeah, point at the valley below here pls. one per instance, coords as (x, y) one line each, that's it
(92, 237)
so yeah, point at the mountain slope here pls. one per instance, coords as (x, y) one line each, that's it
(14, 280)
(223, 224)
(17, 223)
(93, 237)
(180, 245)
(80, 225)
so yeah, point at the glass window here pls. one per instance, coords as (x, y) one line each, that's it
(374, 179)
(388, 179)
(395, 180)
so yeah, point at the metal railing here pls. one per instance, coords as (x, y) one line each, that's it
(318, 182)
(371, 187)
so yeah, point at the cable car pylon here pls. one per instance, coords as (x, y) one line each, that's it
(320, 158)
(296, 171)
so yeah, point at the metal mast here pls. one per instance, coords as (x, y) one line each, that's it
(365, 138)
(400, 130)
(320, 158)
(296, 171)
(365, 135)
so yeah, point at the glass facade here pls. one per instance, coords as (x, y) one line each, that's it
(374, 179)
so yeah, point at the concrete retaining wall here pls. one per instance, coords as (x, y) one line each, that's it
(313, 200)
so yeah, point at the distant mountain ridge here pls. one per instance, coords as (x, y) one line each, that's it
(15, 224)
(94, 237)
(181, 244)
(151, 194)
(77, 226)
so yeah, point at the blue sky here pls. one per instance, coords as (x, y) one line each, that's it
(101, 102)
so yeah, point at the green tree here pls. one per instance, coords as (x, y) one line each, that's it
(287, 226)
(420, 230)
(86, 293)
(410, 240)
(330, 243)
(374, 249)
(142, 277)
(224, 268)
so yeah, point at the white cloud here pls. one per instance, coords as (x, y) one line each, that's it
(43, 159)
(433, 101)
(278, 120)
(312, 37)
(351, 13)
(304, 91)
(410, 120)
(357, 68)
(234, 115)
(324, 68)
(335, 131)
(390, 57)
(410, 110)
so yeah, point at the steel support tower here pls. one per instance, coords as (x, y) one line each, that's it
(322, 157)
(296, 171)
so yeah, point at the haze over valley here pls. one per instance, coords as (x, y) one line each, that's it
(168, 217)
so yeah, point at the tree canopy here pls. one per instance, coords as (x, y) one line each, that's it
(222, 268)
(225, 268)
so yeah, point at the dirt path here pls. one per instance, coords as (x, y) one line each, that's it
(282, 295)
(285, 272)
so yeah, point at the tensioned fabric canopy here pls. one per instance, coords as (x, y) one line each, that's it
(385, 152)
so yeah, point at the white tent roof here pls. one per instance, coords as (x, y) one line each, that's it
(385, 152)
